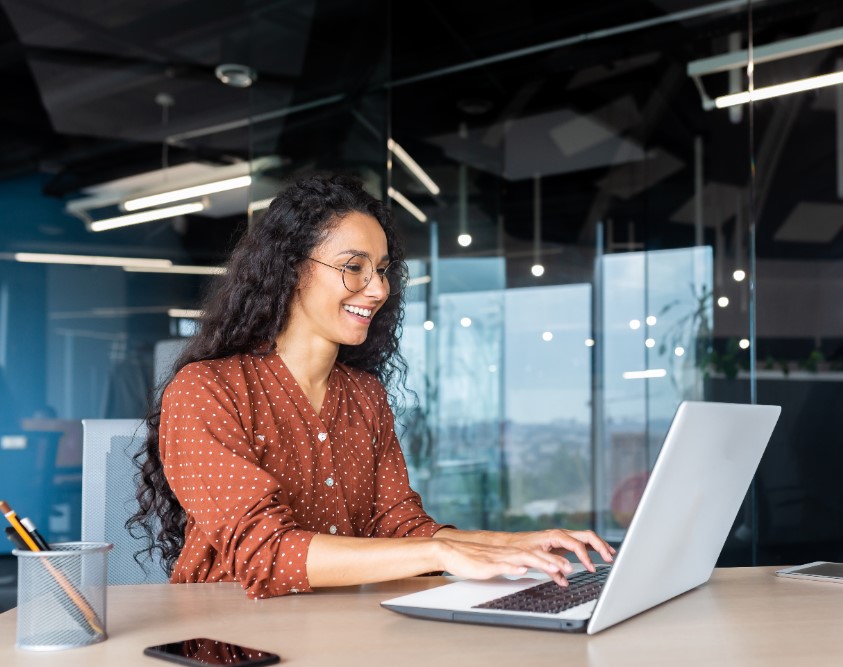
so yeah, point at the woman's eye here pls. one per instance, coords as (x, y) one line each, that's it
(381, 271)
(353, 268)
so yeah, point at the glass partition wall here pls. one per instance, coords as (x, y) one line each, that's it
(649, 233)
(582, 169)
(591, 241)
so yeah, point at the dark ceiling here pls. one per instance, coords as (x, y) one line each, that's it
(82, 81)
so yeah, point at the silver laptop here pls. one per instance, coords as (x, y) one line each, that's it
(700, 478)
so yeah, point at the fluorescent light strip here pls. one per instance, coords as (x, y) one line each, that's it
(421, 280)
(188, 193)
(89, 260)
(184, 312)
(766, 93)
(641, 375)
(407, 204)
(146, 216)
(413, 166)
(179, 268)
(260, 204)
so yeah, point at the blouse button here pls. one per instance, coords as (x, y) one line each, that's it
(322, 437)
(329, 481)
(332, 529)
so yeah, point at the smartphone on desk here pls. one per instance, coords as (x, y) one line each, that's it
(204, 651)
(818, 571)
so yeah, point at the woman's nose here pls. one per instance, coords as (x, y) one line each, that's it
(377, 287)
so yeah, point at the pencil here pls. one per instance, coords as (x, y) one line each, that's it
(13, 519)
(75, 596)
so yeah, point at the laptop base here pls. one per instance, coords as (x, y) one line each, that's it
(508, 620)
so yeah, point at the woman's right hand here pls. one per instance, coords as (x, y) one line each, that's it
(483, 561)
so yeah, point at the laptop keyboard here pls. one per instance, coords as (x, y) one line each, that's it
(550, 597)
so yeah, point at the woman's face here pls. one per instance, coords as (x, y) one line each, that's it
(324, 305)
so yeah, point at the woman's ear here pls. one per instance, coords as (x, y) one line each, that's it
(305, 273)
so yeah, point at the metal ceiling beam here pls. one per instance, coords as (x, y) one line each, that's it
(786, 48)
(696, 12)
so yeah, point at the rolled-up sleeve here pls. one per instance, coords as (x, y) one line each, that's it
(240, 510)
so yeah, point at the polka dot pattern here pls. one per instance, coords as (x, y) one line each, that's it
(259, 472)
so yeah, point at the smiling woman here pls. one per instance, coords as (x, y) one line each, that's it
(272, 451)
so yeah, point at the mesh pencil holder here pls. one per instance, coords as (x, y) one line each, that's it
(61, 596)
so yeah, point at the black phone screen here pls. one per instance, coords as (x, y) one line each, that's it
(204, 651)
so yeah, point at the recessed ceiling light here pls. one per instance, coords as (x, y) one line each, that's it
(236, 76)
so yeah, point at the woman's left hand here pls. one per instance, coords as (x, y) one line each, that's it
(567, 541)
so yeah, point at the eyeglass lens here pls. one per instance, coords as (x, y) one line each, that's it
(357, 273)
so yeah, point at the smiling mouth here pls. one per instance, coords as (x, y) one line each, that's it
(362, 312)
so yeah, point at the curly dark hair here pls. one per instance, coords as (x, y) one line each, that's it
(249, 306)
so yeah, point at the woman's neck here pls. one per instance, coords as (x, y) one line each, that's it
(309, 360)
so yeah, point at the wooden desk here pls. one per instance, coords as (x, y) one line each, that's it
(743, 616)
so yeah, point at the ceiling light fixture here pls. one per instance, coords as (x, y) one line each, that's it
(188, 193)
(235, 75)
(817, 41)
(421, 280)
(412, 166)
(260, 204)
(407, 204)
(538, 268)
(464, 238)
(179, 268)
(185, 312)
(643, 375)
(798, 86)
(89, 260)
(145, 216)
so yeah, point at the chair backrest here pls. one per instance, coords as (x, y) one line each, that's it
(109, 482)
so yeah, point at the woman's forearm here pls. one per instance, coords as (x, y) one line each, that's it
(345, 561)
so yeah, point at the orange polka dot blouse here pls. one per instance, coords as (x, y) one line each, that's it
(259, 473)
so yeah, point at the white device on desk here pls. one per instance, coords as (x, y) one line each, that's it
(697, 485)
(820, 570)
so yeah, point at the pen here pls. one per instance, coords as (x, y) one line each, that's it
(78, 600)
(33, 532)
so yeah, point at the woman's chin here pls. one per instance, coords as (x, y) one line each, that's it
(354, 339)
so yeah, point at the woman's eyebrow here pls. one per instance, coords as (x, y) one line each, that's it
(385, 258)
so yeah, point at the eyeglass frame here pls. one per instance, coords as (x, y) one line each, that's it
(381, 273)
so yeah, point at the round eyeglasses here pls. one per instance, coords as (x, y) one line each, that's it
(357, 272)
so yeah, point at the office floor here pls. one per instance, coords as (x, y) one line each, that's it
(8, 582)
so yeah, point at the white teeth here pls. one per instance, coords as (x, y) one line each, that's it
(363, 312)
